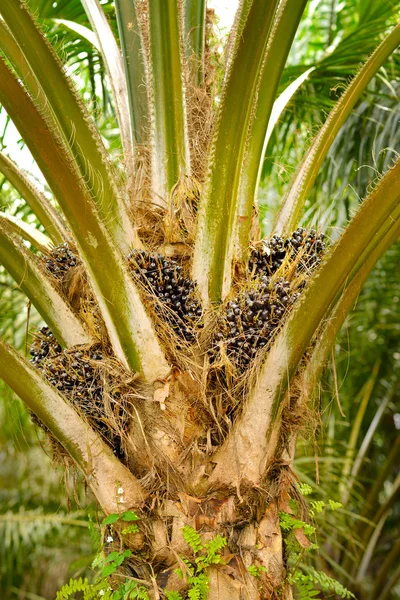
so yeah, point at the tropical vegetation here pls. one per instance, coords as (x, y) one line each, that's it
(178, 349)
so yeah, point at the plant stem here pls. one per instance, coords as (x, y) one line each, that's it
(171, 158)
(195, 17)
(115, 68)
(280, 41)
(133, 54)
(39, 204)
(93, 457)
(24, 269)
(60, 102)
(129, 328)
(218, 211)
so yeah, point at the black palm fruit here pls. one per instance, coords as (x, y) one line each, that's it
(309, 245)
(249, 321)
(160, 276)
(165, 280)
(267, 257)
(76, 374)
(60, 260)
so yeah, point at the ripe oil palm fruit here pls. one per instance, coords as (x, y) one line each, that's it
(179, 350)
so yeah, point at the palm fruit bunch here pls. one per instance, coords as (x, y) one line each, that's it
(268, 256)
(309, 245)
(165, 280)
(251, 319)
(76, 374)
(60, 260)
(44, 344)
(160, 276)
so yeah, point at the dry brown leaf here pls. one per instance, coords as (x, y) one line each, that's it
(161, 394)
(301, 538)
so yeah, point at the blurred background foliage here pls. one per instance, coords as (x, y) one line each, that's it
(351, 453)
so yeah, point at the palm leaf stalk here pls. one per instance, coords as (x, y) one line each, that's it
(39, 204)
(171, 157)
(353, 142)
(89, 452)
(60, 99)
(133, 54)
(116, 293)
(374, 531)
(21, 518)
(194, 22)
(390, 585)
(365, 394)
(372, 501)
(372, 510)
(360, 458)
(382, 577)
(115, 68)
(325, 341)
(81, 30)
(14, 54)
(200, 430)
(27, 232)
(280, 41)
(25, 270)
(216, 222)
(336, 317)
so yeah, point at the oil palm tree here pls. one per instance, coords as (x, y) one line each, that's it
(180, 350)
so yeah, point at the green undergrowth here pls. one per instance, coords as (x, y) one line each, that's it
(299, 538)
(104, 565)
(193, 573)
(300, 547)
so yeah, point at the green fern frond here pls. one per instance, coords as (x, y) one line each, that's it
(289, 523)
(307, 590)
(192, 538)
(137, 592)
(306, 584)
(328, 584)
(173, 596)
(304, 489)
(189, 568)
(215, 545)
(317, 506)
(335, 505)
(93, 592)
(199, 587)
(74, 585)
(194, 594)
